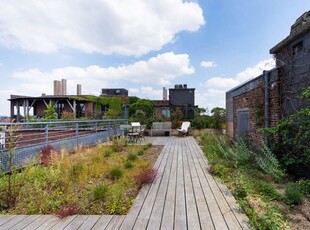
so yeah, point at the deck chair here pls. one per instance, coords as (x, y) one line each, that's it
(185, 128)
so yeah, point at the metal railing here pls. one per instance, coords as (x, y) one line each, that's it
(25, 140)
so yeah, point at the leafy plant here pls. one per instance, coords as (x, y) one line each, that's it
(100, 191)
(219, 170)
(146, 176)
(304, 186)
(116, 173)
(131, 157)
(268, 163)
(293, 194)
(128, 165)
(68, 210)
(268, 190)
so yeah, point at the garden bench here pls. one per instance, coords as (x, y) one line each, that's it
(161, 127)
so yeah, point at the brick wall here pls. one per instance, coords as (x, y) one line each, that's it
(253, 102)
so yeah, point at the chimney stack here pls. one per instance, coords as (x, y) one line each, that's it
(79, 89)
(57, 88)
(164, 93)
(63, 87)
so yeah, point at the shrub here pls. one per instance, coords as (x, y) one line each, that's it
(128, 165)
(46, 154)
(107, 153)
(68, 210)
(304, 186)
(219, 170)
(99, 192)
(116, 173)
(268, 163)
(76, 171)
(147, 176)
(131, 157)
(140, 152)
(267, 189)
(293, 194)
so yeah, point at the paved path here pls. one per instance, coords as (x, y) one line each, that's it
(184, 196)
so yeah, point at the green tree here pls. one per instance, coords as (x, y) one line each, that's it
(218, 117)
(145, 105)
(50, 112)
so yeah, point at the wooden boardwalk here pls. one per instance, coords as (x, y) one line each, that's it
(184, 196)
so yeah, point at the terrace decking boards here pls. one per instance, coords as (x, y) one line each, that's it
(184, 196)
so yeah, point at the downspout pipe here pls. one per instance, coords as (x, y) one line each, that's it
(266, 98)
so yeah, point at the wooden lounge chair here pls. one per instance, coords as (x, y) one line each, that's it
(185, 128)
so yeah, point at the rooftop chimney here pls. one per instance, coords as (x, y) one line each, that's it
(57, 88)
(164, 93)
(63, 87)
(79, 89)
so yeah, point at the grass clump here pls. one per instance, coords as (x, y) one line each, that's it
(100, 191)
(219, 170)
(293, 194)
(128, 165)
(131, 157)
(115, 173)
(268, 190)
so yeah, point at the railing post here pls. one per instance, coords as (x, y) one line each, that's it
(46, 134)
(77, 134)
(96, 130)
(109, 128)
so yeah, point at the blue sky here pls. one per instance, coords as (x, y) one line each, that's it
(140, 45)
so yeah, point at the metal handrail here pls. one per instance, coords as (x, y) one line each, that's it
(30, 137)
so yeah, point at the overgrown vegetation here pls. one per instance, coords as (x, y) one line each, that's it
(290, 139)
(93, 180)
(257, 180)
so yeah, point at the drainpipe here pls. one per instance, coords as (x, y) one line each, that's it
(266, 98)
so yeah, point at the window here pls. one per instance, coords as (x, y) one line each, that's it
(118, 91)
(166, 112)
(298, 48)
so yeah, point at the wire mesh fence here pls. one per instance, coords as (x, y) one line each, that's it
(20, 143)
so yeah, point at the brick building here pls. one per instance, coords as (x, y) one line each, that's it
(262, 101)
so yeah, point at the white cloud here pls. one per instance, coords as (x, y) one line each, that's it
(216, 87)
(208, 64)
(159, 70)
(252, 72)
(132, 27)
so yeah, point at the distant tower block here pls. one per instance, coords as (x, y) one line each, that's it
(79, 89)
(165, 94)
(57, 88)
(63, 87)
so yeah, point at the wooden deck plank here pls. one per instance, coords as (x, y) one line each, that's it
(214, 210)
(5, 218)
(63, 223)
(227, 212)
(135, 210)
(76, 222)
(115, 223)
(191, 207)
(156, 217)
(25, 222)
(203, 209)
(103, 222)
(169, 205)
(146, 209)
(90, 222)
(12, 222)
(180, 220)
(43, 222)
